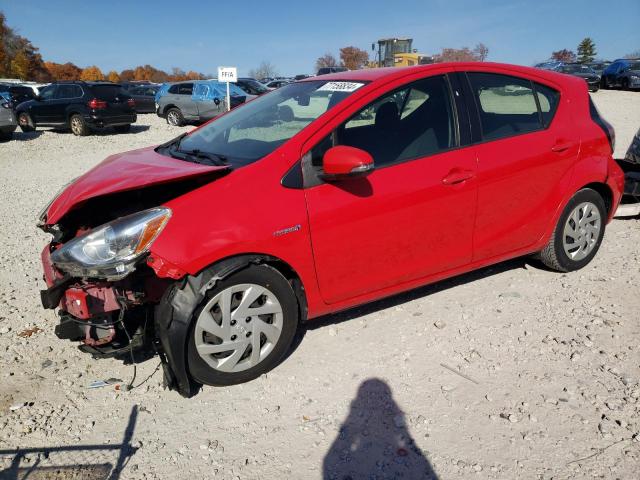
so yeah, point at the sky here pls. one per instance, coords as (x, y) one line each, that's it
(291, 35)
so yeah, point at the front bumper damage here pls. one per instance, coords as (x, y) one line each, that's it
(130, 319)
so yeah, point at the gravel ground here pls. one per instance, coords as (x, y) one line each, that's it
(508, 372)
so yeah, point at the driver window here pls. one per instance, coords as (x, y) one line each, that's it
(412, 122)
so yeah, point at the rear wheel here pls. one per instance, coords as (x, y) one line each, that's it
(25, 122)
(578, 234)
(174, 117)
(243, 327)
(122, 128)
(78, 125)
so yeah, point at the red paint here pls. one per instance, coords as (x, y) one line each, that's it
(122, 172)
(399, 227)
(85, 301)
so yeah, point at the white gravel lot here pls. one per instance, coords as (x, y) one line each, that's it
(550, 362)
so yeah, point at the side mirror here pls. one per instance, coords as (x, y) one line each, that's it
(343, 162)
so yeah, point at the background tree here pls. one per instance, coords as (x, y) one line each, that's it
(564, 55)
(91, 74)
(634, 54)
(113, 76)
(20, 65)
(4, 55)
(19, 57)
(67, 71)
(264, 70)
(326, 60)
(126, 75)
(353, 58)
(464, 54)
(586, 50)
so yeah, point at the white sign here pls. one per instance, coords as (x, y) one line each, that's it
(340, 87)
(227, 74)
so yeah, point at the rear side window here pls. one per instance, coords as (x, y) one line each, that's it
(185, 89)
(548, 99)
(506, 105)
(107, 92)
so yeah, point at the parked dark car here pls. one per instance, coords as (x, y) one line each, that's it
(624, 73)
(582, 71)
(7, 117)
(276, 84)
(631, 167)
(327, 70)
(19, 93)
(251, 86)
(79, 106)
(135, 84)
(144, 97)
(598, 67)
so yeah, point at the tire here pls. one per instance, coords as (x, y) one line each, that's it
(560, 254)
(122, 128)
(175, 117)
(25, 122)
(78, 126)
(625, 84)
(6, 136)
(209, 361)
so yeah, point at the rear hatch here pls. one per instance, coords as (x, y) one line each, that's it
(115, 97)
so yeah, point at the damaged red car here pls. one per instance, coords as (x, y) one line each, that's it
(213, 248)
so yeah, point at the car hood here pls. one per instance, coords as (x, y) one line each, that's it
(121, 172)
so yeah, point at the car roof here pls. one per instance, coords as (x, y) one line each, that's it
(390, 73)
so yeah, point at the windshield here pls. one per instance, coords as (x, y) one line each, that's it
(577, 69)
(256, 129)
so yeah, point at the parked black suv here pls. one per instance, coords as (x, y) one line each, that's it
(80, 106)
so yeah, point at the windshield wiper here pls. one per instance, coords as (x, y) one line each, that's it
(215, 159)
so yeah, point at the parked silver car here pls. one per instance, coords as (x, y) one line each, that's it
(7, 118)
(196, 100)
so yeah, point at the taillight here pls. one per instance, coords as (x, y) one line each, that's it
(603, 124)
(97, 104)
(131, 102)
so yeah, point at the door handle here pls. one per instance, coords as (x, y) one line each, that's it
(561, 146)
(457, 175)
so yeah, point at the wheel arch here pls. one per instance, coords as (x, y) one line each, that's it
(604, 191)
(169, 107)
(172, 318)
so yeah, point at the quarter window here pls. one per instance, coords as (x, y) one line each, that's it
(506, 105)
(412, 122)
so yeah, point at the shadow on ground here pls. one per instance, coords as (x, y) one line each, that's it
(86, 462)
(374, 442)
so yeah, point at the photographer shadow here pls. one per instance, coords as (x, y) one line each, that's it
(374, 442)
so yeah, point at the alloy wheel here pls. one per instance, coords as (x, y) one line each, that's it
(238, 328)
(581, 231)
(76, 125)
(173, 118)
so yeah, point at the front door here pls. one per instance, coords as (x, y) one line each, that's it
(205, 101)
(413, 215)
(43, 110)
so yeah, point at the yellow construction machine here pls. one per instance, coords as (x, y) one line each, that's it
(397, 52)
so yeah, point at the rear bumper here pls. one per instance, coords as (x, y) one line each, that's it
(103, 121)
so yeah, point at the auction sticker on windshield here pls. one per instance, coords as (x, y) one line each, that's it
(340, 87)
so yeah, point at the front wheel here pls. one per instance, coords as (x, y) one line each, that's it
(625, 84)
(25, 122)
(243, 327)
(578, 234)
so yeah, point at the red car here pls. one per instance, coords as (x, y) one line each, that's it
(324, 194)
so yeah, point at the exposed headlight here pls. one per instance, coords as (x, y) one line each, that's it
(112, 250)
(634, 77)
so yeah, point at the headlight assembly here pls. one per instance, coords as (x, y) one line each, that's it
(112, 250)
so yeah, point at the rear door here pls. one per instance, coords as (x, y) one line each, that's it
(184, 101)
(66, 95)
(204, 98)
(413, 215)
(526, 147)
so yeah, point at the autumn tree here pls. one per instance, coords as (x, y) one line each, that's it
(264, 70)
(126, 75)
(464, 54)
(4, 55)
(66, 71)
(586, 50)
(91, 74)
(113, 76)
(326, 60)
(20, 65)
(353, 58)
(564, 55)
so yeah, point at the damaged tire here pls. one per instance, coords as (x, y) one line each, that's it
(578, 234)
(243, 327)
